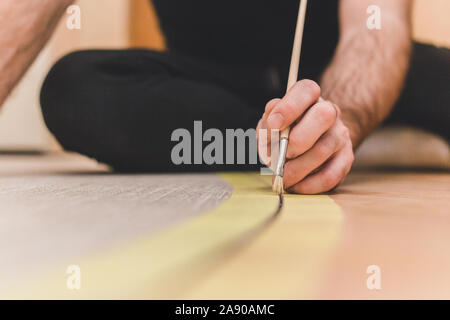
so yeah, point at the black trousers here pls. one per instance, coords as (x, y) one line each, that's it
(121, 106)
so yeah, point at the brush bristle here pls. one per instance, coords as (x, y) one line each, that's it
(278, 185)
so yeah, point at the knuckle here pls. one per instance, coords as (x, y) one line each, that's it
(342, 141)
(326, 112)
(294, 148)
(311, 86)
(325, 148)
(299, 188)
(289, 108)
(271, 104)
(345, 132)
(330, 180)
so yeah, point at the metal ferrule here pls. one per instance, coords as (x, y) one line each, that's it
(281, 157)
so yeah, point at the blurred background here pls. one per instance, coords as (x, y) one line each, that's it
(132, 23)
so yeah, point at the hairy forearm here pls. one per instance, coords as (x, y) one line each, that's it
(25, 27)
(366, 76)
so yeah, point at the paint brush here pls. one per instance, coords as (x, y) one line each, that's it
(293, 77)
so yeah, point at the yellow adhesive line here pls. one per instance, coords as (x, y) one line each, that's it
(235, 251)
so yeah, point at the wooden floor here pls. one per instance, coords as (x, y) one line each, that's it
(63, 208)
(399, 221)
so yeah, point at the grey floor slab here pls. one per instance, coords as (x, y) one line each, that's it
(58, 206)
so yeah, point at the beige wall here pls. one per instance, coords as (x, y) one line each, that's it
(106, 23)
(432, 21)
(21, 123)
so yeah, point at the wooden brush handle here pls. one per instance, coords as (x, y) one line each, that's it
(296, 52)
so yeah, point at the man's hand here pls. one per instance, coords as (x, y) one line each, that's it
(320, 152)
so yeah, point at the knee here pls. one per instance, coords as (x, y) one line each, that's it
(60, 83)
(59, 89)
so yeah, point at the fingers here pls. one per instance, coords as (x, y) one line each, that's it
(296, 101)
(297, 169)
(320, 152)
(317, 120)
(270, 105)
(262, 124)
(264, 135)
(328, 177)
